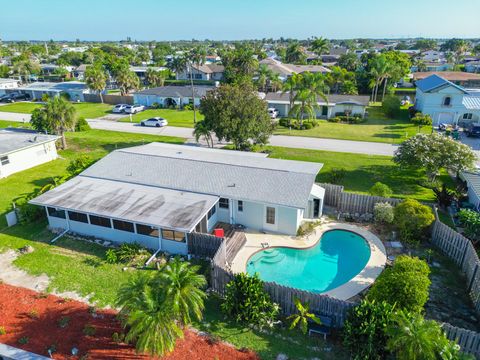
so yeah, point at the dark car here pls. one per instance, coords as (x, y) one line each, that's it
(473, 130)
(18, 97)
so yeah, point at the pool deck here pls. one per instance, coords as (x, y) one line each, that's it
(363, 280)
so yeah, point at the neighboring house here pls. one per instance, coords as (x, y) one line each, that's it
(447, 102)
(79, 72)
(8, 84)
(433, 66)
(286, 70)
(22, 149)
(49, 69)
(472, 180)
(141, 71)
(157, 194)
(171, 95)
(457, 77)
(207, 72)
(353, 104)
(472, 67)
(74, 89)
(433, 56)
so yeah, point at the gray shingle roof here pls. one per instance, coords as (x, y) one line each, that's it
(12, 140)
(216, 172)
(176, 91)
(332, 99)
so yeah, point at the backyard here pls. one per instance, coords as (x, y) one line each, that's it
(85, 110)
(180, 118)
(377, 128)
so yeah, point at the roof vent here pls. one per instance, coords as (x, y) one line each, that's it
(233, 185)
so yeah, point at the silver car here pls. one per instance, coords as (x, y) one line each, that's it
(155, 121)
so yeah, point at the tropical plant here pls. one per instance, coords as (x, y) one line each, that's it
(127, 80)
(380, 189)
(421, 120)
(391, 106)
(470, 220)
(290, 86)
(240, 64)
(320, 46)
(263, 77)
(156, 307)
(305, 101)
(156, 77)
(364, 330)
(77, 165)
(57, 116)
(413, 220)
(302, 317)
(247, 301)
(294, 54)
(197, 58)
(404, 285)
(383, 213)
(201, 130)
(96, 79)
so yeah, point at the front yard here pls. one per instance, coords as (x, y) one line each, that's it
(85, 110)
(377, 128)
(180, 118)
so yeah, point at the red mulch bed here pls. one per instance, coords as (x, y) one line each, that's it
(25, 313)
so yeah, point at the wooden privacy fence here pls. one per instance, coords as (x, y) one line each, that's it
(468, 340)
(460, 249)
(109, 99)
(203, 245)
(346, 202)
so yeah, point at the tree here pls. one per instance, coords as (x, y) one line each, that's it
(240, 64)
(178, 64)
(197, 58)
(349, 62)
(433, 153)
(411, 337)
(127, 80)
(290, 86)
(96, 79)
(235, 113)
(380, 189)
(247, 301)
(263, 77)
(458, 47)
(383, 213)
(337, 77)
(364, 331)
(470, 220)
(201, 130)
(305, 101)
(156, 77)
(294, 54)
(425, 44)
(421, 120)
(302, 317)
(379, 68)
(391, 106)
(320, 46)
(413, 219)
(404, 285)
(156, 307)
(4, 71)
(57, 116)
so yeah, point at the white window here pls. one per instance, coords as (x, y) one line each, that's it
(223, 203)
(240, 205)
(270, 219)
(4, 160)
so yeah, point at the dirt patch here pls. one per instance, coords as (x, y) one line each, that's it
(50, 322)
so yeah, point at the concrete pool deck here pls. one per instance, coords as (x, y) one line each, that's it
(362, 281)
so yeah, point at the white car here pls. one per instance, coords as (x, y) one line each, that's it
(155, 121)
(119, 108)
(273, 113)
(133, 109)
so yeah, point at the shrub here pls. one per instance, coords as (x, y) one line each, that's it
(336, 175)
(307, 126)
(380, 189)
(80, 163)
(285, 122)
(383, 213)
(248, 302)
(156, 105)
(364, 330)
(413, 220)
(335, 119)
(111, 256)
(188, 107)
(404, 285)
(28, 213)
(391, 106)
(470, 220)
(82, 125)
(2, 330)
(89, 330)
(422, 120)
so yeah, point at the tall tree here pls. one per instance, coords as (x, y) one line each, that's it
(96, 79)
(156, 77)
(305, 101)
(320, 46)
(157, 307)
(127, 80)
(240, 64)
(57, 116)
(264, 74)
(197, 58)
(294, 54)
(290, 86)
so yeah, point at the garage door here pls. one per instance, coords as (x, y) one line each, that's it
(445, 118)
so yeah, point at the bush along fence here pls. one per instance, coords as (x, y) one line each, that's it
(468, 340)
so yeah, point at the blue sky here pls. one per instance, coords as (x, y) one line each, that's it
(236, 19)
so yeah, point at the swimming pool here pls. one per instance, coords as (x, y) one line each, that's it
(338, 257)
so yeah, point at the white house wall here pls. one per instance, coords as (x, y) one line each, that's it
(284, 109)
(149, 100)
(28, 158)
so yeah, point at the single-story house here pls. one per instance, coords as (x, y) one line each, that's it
(79, 72)
(141, 71)
(433, 67)
(157, 194)
(171, 95)
(8, 84)
(74, 89)
(472, 180)
(457, 77)
(351, 104)
(286, 70)
(447, 102)
(472, 66)
(207, 72)
(23, 149)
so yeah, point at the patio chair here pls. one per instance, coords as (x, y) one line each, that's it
(323, 329)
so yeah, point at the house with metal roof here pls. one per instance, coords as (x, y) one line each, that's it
(286, 70)
(447, 102)
(23, 149)
(205, 72)
(158, 194)
(74, 89)
(171, 95)
(472, 181)
(336, 104)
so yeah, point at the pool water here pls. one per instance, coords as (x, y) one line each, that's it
(336, 259)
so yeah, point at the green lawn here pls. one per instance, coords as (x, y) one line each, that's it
(181, 118)
(86, 110)
(97, 143)
(377, 128)
(362, 171)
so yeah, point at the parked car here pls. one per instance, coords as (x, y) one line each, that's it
(119, 108)
(155, 121)
(133, 109)
(13, 97)
(273, 113)
(473, 130)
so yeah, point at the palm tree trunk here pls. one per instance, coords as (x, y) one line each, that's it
(384, 88)
(193, 96)
(64, 140)
(101, 96)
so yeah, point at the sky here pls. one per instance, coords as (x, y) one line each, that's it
(236, 19)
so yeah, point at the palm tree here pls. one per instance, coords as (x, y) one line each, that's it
(320, 46)
(275, 82)
(60, 116)
(178, 64)
(290, 86)
(201, 130)
(302, 317)
(197, 59)
(294, 54)
(156, 307)
(96, 79)
(310, 88)
(378, 70)
(127, 80)
(264, 75)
